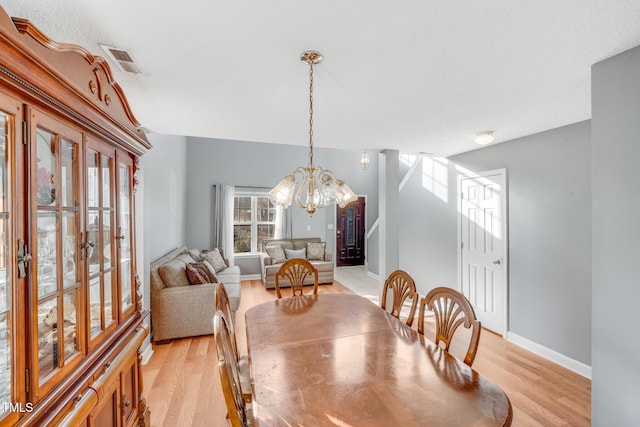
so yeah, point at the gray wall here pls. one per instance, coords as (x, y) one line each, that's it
(214, 161)
(549, 234)
(249, 265)
(428, 232)
(164, 168)
(616, 238)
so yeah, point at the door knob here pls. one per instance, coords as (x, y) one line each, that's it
(497, 262)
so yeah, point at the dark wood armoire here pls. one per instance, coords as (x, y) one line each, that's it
(71, 316)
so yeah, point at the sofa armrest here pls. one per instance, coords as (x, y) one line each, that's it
(266, 260)
(328, 256)
(183, 311)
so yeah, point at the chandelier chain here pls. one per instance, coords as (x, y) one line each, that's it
(311, 114)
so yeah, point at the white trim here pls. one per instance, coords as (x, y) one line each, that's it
(373, 275)
(552, 355)
(250, 277)
(505, 233)
(147, 352)
(373, 228)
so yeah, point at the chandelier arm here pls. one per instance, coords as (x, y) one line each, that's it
(300, 181)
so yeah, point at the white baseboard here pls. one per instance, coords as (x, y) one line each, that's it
(373, 275)
(147, 353)
(552, 355)
(251, 277)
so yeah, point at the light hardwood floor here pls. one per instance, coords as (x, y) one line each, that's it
(182, 387)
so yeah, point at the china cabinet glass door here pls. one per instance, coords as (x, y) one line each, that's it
(8, 392)
(100, 240)
(57, 273)
(125, 223)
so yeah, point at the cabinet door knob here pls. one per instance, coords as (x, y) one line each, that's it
(497, 262)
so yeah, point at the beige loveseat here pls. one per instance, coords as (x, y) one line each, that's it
(269, 268)
(179, 309)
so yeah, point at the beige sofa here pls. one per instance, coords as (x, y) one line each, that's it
(182, 310)
(269, 268)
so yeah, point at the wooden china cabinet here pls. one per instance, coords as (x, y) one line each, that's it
(71, 317)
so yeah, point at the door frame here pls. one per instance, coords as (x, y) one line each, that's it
(505, 229)
(364, 230)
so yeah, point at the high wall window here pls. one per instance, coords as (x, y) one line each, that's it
(254, 218)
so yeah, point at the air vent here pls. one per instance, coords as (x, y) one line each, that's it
(122, 59)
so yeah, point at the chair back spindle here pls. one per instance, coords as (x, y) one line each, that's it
(403, 288)
(296, 271)
(451, 310)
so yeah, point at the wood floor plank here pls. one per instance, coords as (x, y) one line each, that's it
(182, 386)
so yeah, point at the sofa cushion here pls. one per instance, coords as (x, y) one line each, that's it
(316, 250)
(277, 254)
(323, 266)
(185, 257)
(233, 292)
(229, 275)
(295, 253)
(195, 254)
(214, 257)
(173, 273)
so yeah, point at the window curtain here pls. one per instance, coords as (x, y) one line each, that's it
(223, 219)
(283, 223)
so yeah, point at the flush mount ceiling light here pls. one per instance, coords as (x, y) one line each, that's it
(364, 160)
(484, 138)
(318, 187)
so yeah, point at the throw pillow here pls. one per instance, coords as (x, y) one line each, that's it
(214, 258)
(196, 275)
(276, 253)
(206, 270)
(296, 253)
(211, 272)
(316, 250)
(226, 261)
(173, 273)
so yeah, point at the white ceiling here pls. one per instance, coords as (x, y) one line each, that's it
(415, 75)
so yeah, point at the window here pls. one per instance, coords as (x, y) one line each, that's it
(254, 218)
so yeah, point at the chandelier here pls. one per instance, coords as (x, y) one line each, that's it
(318, 187)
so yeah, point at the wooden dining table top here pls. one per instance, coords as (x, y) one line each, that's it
(340, 360)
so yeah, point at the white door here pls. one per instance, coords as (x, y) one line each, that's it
(483, 246)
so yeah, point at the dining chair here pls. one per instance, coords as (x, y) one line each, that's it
(223, 304)
(451, 309)
(403, 287)
(239, 411)
(296, 270)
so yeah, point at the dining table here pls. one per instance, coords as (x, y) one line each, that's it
(341, 360)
